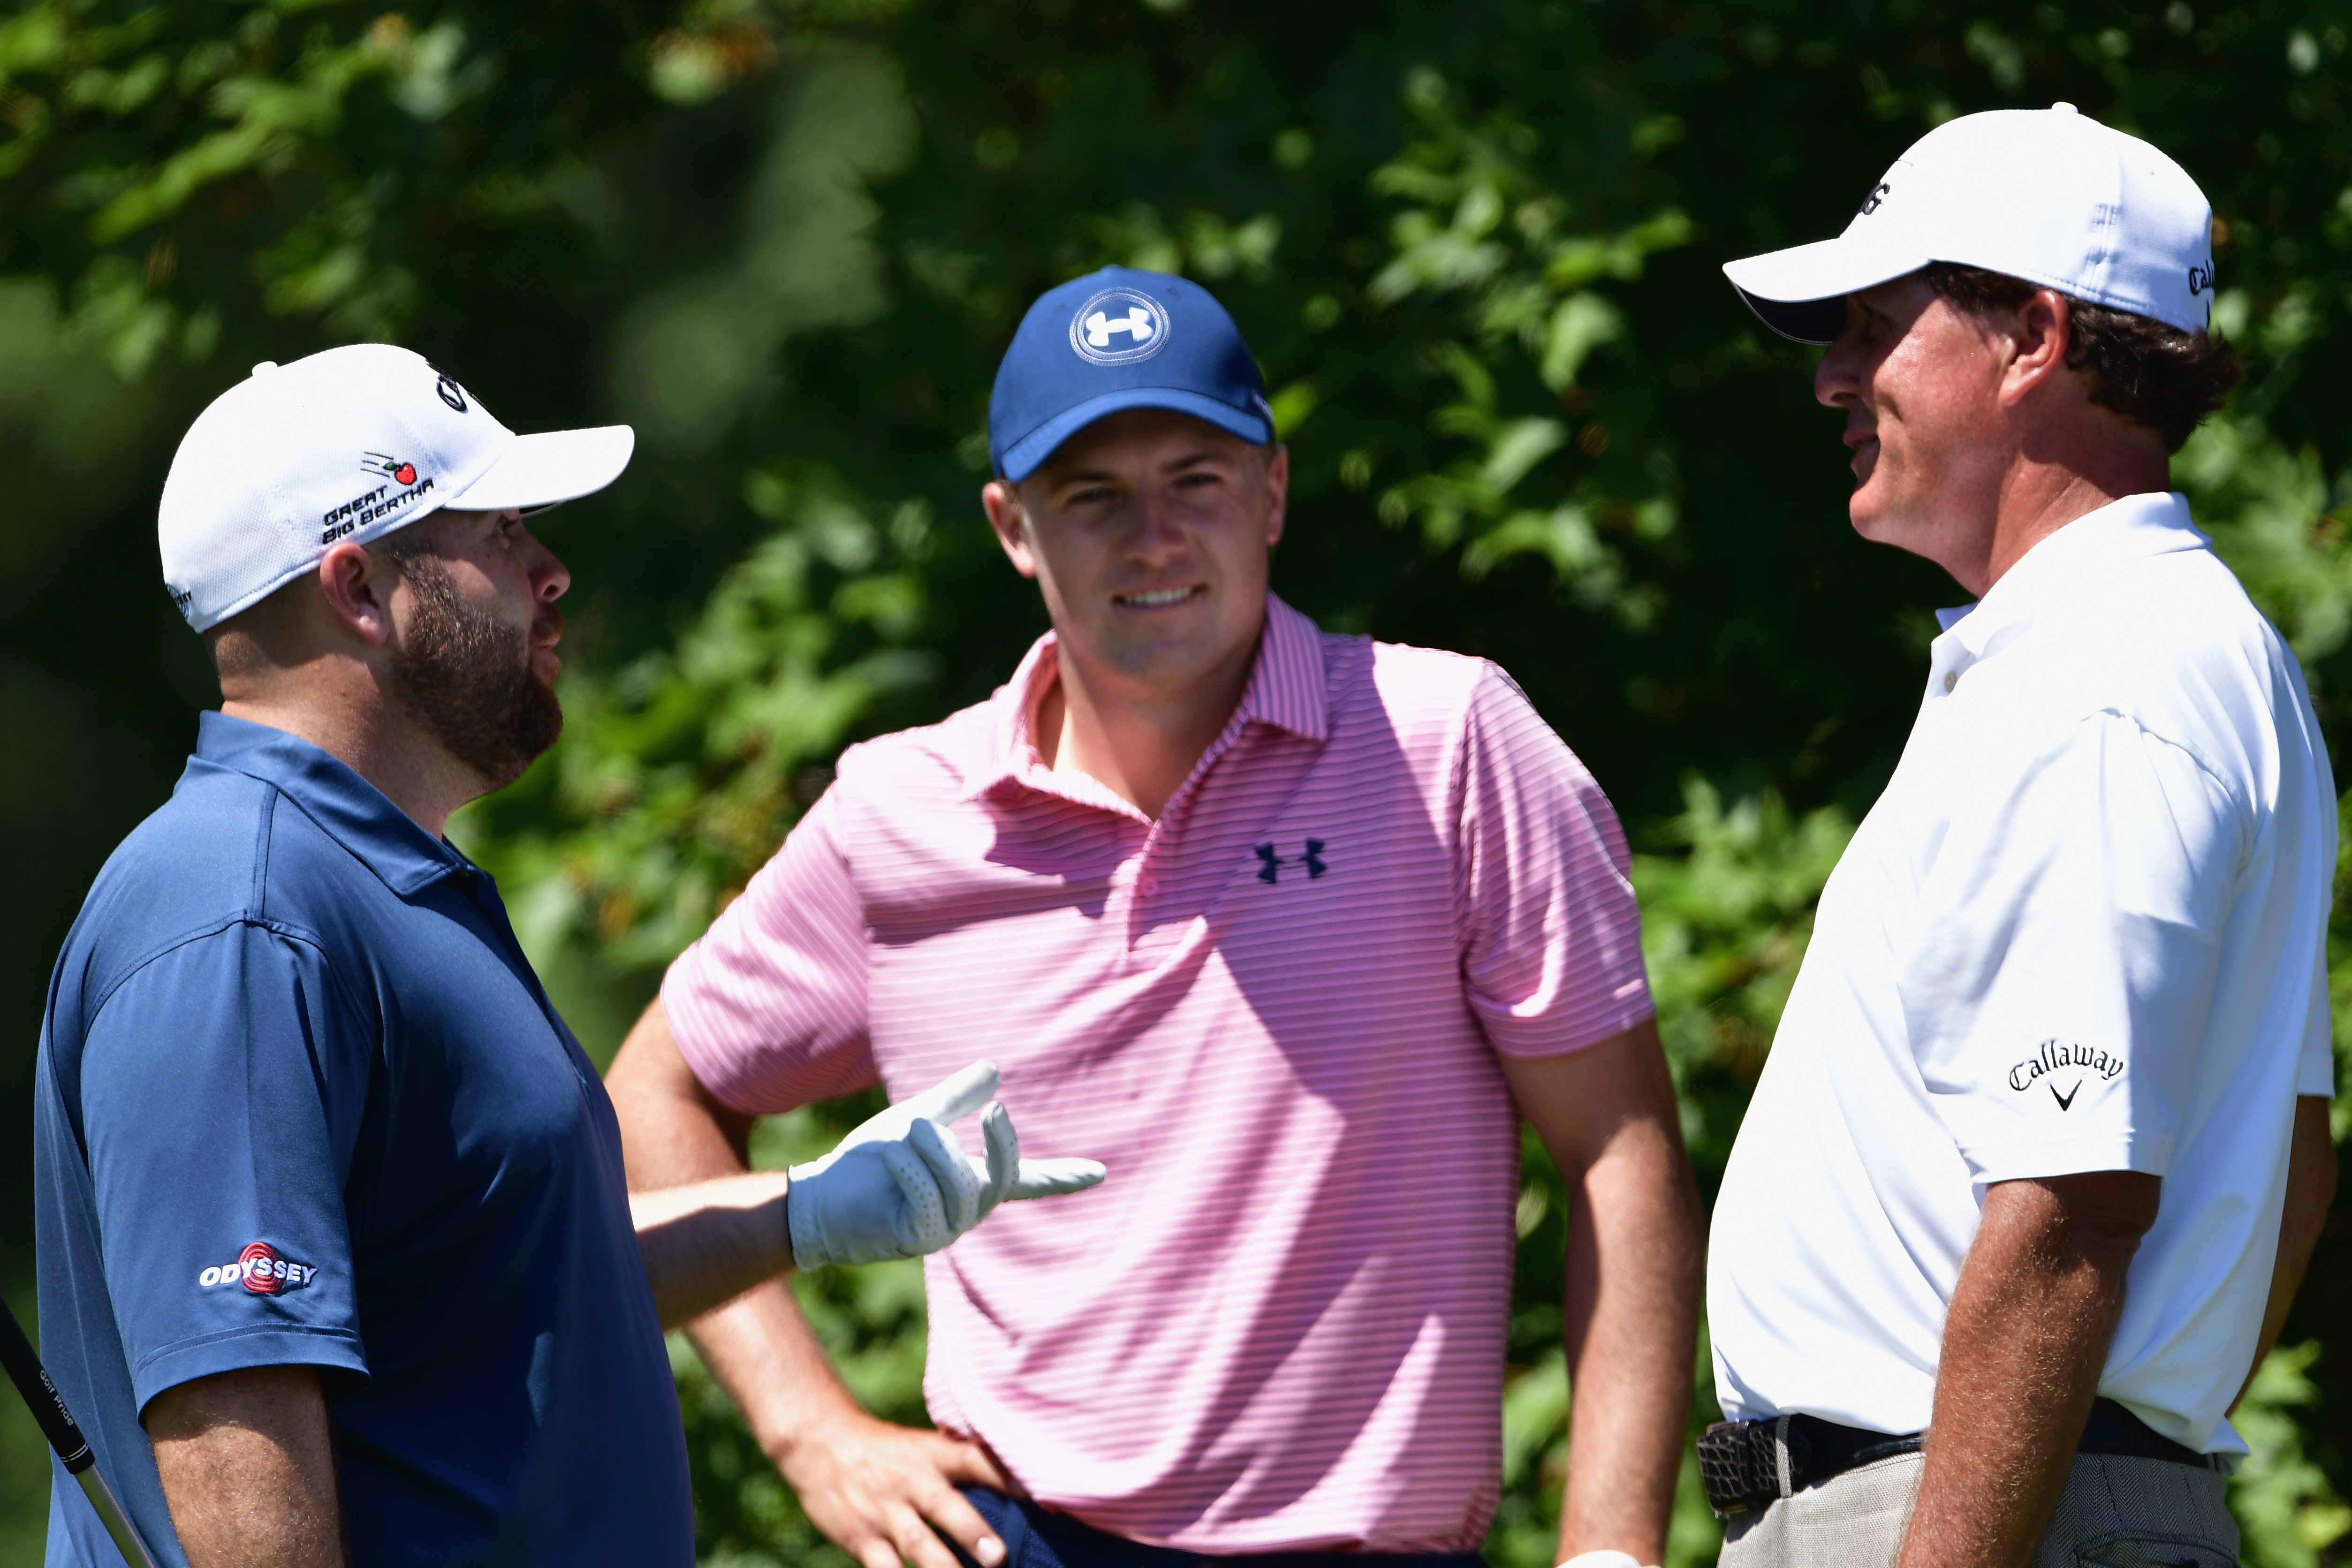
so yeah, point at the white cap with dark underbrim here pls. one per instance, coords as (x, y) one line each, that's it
(2051, 196)
(353, 443)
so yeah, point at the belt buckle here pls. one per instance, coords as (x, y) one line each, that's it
(1739, 1465)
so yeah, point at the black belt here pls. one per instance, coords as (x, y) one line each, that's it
(1740, 1461)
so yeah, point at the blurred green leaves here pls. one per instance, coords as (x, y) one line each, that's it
(2286, 1507)
(1478, 224)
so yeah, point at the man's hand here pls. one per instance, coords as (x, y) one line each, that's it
(877, 1490)
(900, 1185)
(1607, 1113)
(248, 1470)
(2024, 1342)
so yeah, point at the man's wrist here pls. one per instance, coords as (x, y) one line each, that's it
(813, 1422)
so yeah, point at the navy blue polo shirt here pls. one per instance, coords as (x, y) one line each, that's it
(302, 1100)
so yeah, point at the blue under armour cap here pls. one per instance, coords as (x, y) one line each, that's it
(1119, 339)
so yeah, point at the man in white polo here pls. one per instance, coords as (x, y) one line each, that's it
(2041, 1148)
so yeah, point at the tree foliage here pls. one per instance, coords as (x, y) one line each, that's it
(1475, 248)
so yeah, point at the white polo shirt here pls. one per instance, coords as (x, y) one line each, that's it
(2084, 929)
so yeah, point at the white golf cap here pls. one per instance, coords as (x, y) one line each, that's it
(349, 443)
(2048, 195)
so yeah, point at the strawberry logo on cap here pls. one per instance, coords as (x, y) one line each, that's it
(403, 473)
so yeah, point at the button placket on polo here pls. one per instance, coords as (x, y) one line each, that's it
(1145, 938)
(1949, 658)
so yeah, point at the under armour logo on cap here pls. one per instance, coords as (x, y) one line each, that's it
(1119, 327)
(1111, 340)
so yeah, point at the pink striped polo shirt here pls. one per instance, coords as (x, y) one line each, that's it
(1274, 1013)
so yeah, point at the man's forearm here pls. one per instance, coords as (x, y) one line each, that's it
(763, 1352)
(1630, 1325)
(2026, 1340)
(249, 1470)
(705, 1244)
(708, 1228)
(2310, 1191)
(1607, 1113)
(680, 1140)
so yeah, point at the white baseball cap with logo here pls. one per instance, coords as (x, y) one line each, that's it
(2051, 196)
(350, 444)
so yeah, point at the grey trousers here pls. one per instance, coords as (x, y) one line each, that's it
(2115, 1513)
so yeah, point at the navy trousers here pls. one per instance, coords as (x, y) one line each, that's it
(1036, 1537)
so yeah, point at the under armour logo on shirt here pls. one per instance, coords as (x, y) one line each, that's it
(1271, 863)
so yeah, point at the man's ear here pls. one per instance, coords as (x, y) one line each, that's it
(2040, 334)
(356, 584)
(1003, 504)
(1277, 491)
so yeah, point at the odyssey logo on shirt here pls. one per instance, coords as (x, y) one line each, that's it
(2059, 1056)
(261, 1271)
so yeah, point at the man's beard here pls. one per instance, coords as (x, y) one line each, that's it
(466, 677)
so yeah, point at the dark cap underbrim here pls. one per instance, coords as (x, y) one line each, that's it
(1023, 457)
(1801, 321)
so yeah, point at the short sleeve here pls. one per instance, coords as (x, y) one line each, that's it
(2070, 943)
(2314, 1074)
(223, 1087)
(769, 1008)
(1552, 934)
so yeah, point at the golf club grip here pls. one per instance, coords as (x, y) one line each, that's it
(41, 1396)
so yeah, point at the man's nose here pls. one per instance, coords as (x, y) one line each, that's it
(1837, 380)
(551, 579)
(1155, 538)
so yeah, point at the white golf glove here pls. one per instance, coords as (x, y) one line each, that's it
(900, 1185)
(1603, 1560)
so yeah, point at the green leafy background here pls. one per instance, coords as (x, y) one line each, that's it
(1475, 246)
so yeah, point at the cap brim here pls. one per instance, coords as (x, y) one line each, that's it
(1023, 457)
(549, 468)
(1800, 292)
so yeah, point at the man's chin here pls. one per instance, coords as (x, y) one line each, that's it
(1873, 514)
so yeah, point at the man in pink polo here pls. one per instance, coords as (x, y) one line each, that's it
(1287, 929)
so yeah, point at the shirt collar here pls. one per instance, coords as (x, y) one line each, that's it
(2132, 528)
(353, 811)
(1287, 689)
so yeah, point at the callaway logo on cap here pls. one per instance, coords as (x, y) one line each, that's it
(1114, 339)
(2048, 195)
(349, 443)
